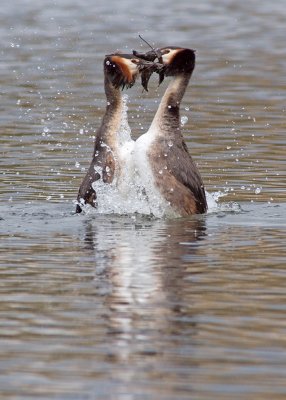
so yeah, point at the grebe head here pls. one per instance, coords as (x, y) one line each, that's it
(123, 69)
(177, 60)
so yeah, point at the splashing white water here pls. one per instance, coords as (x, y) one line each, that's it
(134, 201)
(215, 206)
(112, 200)
(124, 131)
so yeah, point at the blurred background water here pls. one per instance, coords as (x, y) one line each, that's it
(126, 307)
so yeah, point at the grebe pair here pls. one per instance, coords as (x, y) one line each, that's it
(160, 156)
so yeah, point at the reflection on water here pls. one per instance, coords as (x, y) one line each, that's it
(125, 307)
(99, 307)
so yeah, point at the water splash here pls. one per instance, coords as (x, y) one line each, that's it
(129, 198)
(184, 120)
(124, 131)
(215, 206)
(112, 200)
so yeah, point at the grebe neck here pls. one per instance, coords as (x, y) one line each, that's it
(167, 118)
(112, 118)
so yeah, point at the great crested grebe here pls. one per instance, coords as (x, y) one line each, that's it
(161, 155)
(120, 70)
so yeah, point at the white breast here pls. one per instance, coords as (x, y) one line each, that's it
(144, 174)
(126, 167)
(141, 162)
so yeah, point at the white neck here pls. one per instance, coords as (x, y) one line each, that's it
(166, 120)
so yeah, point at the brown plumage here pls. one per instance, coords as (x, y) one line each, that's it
(177, 177)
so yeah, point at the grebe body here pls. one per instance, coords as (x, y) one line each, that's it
(161, 155)
(112, 149)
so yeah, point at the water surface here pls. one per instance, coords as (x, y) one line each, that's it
(131, 307)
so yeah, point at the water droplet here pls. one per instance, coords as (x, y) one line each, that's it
(257, 190)
(228, 147)
(81, 131)
(187, 108)
(107, 169)
(77, 164)
(184, 119)
(160, 172)
(170, 143)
